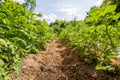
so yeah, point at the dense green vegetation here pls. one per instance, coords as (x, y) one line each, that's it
(97, 38)
(58, 25)
(20, 34)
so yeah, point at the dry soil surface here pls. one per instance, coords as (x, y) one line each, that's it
(59, 62)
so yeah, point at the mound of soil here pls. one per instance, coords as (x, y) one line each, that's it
(58, 62)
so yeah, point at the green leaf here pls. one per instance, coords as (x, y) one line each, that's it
(100, 67)
(1, 63)
(108, 9)
(1, 78)
(116, 16)
(2, 42)
(8, 78)
(4, 57)
(2, 72)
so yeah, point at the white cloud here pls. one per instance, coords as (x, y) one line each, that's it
(69, 10)
(72, 12)
(65, 9)
(98, 2)
(50, 18)
(20, 1)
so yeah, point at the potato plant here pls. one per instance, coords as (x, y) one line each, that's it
(97, 37)
(20, 33)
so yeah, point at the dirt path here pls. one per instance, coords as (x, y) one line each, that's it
(58, 62)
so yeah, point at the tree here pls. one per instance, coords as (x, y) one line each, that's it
(30, 4)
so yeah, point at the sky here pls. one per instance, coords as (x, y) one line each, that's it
(64, 9)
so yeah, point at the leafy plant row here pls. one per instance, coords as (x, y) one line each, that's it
(97, 37)
(20, 33)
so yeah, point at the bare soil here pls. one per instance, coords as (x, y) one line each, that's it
(59, 62)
